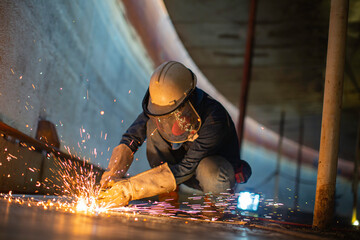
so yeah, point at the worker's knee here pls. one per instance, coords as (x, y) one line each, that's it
(215, 174)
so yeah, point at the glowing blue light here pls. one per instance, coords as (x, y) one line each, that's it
(248, 201)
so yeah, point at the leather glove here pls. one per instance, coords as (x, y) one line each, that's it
(243, 172)
(146, 184)
(120, 161)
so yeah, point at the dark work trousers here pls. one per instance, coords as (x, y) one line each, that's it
(214, 174)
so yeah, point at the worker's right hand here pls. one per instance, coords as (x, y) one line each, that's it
(118, 195)
(120, 161)
(152, 182)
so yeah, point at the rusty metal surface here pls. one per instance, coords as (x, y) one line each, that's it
(28, 165)
(41, 146)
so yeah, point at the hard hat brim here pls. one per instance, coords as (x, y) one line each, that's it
(156, 110)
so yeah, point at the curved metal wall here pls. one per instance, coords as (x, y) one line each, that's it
(66, 62)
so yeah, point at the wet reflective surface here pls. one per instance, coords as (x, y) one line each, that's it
(23, 222)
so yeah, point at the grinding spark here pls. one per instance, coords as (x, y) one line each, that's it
(80, 183)
(74, 186)
(77, 192)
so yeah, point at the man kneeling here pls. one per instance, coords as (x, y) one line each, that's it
(191, 139)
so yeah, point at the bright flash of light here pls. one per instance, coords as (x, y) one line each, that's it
(81, 205)
(89, 205)
(356, 223)
(248, 201)
(80, 183)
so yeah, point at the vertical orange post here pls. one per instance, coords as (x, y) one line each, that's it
(329, 143)
(246, 72)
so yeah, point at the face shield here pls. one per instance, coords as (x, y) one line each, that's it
(180, 125)
(169, 106)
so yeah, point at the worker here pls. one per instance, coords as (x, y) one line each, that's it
(190, 139)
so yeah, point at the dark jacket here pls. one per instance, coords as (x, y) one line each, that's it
(217, 136)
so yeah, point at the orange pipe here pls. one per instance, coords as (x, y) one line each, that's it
(245, 83)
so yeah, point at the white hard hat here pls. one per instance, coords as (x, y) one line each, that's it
(170, 85)
(167, 102)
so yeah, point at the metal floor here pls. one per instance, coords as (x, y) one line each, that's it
(18, 221)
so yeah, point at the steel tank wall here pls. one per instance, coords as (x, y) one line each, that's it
(66, 62)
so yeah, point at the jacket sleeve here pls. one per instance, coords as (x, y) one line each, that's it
(211, 134)
(136, 133)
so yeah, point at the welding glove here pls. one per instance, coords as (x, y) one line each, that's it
(120, 161)
(243, 172)
(146, 184)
